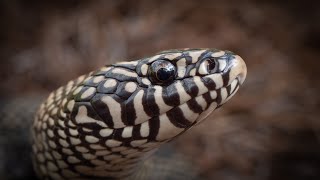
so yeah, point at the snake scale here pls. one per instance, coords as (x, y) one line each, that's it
(106, 123)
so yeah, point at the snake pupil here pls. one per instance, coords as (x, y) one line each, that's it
(164, 74)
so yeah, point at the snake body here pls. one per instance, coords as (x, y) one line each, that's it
(105, 123)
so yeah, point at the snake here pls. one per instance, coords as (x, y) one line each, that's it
(106, 123)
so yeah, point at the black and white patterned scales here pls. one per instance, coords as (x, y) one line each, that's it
(105, 123)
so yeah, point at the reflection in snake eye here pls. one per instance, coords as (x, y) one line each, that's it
(162, 72)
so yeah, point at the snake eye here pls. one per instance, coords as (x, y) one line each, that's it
(162, 72)
(211, 65)
(208, 66)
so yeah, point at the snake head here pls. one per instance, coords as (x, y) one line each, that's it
(156, 98)
(182, 87)
(103, 123)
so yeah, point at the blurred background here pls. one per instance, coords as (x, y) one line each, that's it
(269, 130)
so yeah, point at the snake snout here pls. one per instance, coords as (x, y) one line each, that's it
(238, 69)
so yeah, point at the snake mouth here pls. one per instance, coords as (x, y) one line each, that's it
(193, 111)
(219, 97)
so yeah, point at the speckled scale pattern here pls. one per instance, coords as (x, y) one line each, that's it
(105, 123)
